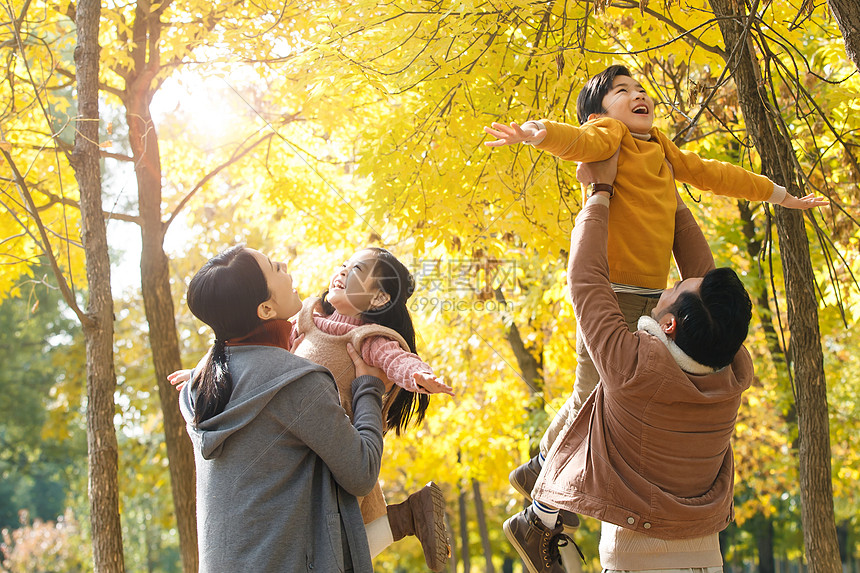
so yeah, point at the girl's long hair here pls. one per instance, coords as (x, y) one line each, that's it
(396, 281)
(224, 294)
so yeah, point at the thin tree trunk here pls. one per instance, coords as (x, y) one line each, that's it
(764, 540)
(101, 377)
(160, 316)
(816, 489)
(452, 562)
(482, 527)
(847, 15)
(155, 276)
(464, 530)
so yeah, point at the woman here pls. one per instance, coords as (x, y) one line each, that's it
(279, 465)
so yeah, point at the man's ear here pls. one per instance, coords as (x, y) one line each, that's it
(668, 324)
(594, 116)
(265, 311)
(380, 299)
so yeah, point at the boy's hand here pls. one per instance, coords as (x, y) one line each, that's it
(803, 203)
(429, 384)
(526, 133)
(179, 378)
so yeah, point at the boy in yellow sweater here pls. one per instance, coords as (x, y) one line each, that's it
(617, 115)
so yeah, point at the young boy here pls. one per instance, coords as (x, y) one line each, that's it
(617, 117)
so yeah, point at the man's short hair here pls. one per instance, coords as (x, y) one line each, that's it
(590, 98)
(713, 324)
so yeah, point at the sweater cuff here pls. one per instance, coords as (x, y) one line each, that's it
(364, 385)
(778, 195)
(540, 125)
(598, 200)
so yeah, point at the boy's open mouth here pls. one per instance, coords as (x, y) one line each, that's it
(641, 110)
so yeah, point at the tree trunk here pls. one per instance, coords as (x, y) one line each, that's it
(816, 489)
(464, 530)
(847, 15)
(764, 540)
(160, 316)
(98, 331)
(482, 527)
(155, 274)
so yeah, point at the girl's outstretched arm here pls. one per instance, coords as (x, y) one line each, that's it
(403, 368)
(430, 384)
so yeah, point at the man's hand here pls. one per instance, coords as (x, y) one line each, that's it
(526, 133)
(362, 368)
(599, 171)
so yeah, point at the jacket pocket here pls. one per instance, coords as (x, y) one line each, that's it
(335, 539)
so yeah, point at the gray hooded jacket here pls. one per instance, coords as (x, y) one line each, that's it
(278, 470)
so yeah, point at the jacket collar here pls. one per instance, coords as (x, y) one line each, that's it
(684, 361)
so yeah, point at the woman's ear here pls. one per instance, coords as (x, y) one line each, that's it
(265, 310)
(594, 116)
(380, 299)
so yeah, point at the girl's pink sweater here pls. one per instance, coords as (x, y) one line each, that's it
(383, 353)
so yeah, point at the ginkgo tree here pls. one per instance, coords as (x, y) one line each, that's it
(344, 124)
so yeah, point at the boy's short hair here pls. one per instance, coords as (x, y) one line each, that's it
(590, 98)
(713, 324)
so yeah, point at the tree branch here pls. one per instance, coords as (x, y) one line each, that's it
(237, 154)
(68, 295)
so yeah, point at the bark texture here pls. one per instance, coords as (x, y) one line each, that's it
(141, 85)
(847, 15)
(804, 351)
(98, 330)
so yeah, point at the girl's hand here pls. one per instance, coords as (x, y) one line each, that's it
(505, 135)
(179, 378)
(803, 203)
(429, 384)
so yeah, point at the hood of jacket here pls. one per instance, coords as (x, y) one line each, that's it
(259, 373)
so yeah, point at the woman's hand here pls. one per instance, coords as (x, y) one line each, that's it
(362, 368)
(429, 384)
(179, 378)
(294, 346)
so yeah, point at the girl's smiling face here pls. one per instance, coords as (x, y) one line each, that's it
(354, 289)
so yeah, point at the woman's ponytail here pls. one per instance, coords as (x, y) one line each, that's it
(214, 385)
(224, 294)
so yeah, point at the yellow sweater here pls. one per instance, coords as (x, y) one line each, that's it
(642, 217)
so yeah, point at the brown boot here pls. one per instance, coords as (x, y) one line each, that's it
(423, 515)
(523, 479)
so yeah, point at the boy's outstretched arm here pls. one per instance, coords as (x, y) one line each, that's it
(803, 203)
(530, 132)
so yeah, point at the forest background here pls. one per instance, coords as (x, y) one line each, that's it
(310, 129)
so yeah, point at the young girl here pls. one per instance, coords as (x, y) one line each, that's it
(274, 511)
(365, 305)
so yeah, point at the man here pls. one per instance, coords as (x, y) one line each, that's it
(650, 452)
